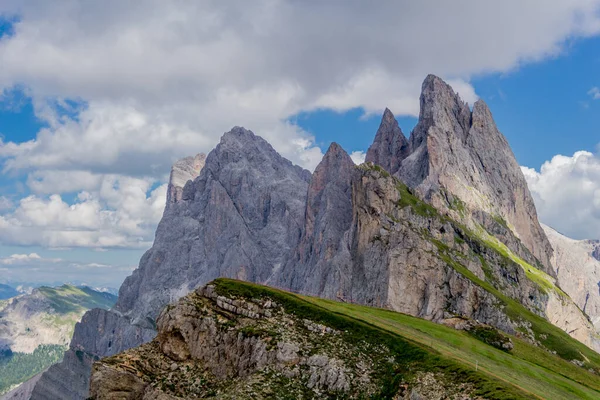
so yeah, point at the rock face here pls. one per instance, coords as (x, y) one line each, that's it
(390, 146)
(321, 261)
(458, 152)
(578, 271)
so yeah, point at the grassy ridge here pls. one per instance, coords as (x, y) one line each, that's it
(524, 373)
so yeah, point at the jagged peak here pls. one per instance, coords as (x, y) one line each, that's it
(481, 110)
(388, 115)
(435, 92)
(193, 161)
(241, 145)
(335, 157)
(238, 133)
(390, 146)
(334, 150)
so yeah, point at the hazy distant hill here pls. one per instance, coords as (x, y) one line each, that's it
(36, 328)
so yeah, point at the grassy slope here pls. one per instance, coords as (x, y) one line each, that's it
(526, 372)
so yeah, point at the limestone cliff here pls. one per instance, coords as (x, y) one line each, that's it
(239, 218)
(390, 146)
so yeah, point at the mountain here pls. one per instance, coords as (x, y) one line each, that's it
(577, 264)
(6, 292)
(234, 340)
(239, 218)
(35, 328)
(439, 226)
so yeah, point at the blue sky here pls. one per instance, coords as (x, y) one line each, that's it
(94, 113)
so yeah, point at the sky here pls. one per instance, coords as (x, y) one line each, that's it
(98, 99)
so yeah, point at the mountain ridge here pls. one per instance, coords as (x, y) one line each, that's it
(351, 233)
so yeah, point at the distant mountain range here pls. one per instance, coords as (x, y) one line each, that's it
(35, 328)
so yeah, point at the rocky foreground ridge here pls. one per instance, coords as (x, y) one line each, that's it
(438, 225)
(234, 340)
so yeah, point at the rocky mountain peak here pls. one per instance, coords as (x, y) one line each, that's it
(453, 150)
(390, 146)
(241, 148)
(331, 178)
(328, 215)
(440, 107)
(335, 157)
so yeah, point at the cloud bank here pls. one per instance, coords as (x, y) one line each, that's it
(566, 192)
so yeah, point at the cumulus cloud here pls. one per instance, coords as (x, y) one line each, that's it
(358, 157)
(5, 203)
(566, 192)
(180, 76)
(125, 88)
(20, 258)
(121, 212)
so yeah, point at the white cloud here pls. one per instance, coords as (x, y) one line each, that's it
(358, 157)
(5, 203)
(566, 191)
(24, 259)
(161, 80)
(594, 93)
(121, 212)
(157, 81)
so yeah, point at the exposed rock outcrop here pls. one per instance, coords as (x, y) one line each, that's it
(321, 262)
(215, 345)
(186, 169)
(239, 218)
(390, 146)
